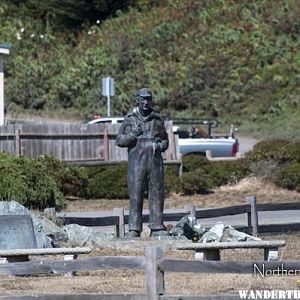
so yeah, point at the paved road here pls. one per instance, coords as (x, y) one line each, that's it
(246, 143)
(264, 217)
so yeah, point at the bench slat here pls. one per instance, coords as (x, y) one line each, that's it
(232, 245)
(45, 251)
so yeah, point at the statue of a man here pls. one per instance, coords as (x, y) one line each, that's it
(143, 133)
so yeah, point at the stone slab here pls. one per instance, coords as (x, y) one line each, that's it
(140, 244)
(16, 232)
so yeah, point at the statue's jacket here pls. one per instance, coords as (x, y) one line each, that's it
(153, 130)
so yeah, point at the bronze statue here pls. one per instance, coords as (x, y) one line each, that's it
(143, 133)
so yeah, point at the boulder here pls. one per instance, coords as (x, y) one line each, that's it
(15, 208)
(86, 236)
(225, 233)
(188, 227)
(45, 230)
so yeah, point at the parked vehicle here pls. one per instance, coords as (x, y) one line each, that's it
(192, 138)
(107, 120)
(196, 140)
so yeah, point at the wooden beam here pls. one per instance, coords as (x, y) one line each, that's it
(91, 221)
(106, 145)
(206, 297)
(190, 208)
(232, 245)
(18, 150)
(45, 251)
(254, 214)
(154, 276)
(278, 206)
(238, 267)
(60, 136)
(120, 212)
(83, 264)
(279, 228)
(77, 297)
(224, 211)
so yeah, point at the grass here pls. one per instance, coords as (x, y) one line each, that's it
(133, 281)
(224, 196)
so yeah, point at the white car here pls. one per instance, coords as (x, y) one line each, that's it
(108, 120)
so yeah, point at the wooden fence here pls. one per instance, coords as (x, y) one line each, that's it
(251, 209)
(154, 263)
(77, 143)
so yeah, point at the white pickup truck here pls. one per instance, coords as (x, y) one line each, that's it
(194, 140)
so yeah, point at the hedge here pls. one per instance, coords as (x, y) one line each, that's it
(27, 181)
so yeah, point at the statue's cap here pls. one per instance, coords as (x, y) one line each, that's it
(143, 93)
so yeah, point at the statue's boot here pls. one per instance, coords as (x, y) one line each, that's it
(133, 233)
(159, 233)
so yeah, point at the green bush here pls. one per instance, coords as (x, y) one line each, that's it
(272, 158)
(202, 175)
(71, 180)
(109, 182)
(252, 76)
(195, 182)
(26, 181)
(280, 151)
(289, 176)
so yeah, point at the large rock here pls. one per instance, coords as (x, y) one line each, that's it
(188, 227)
(45, 230)
(225, 233)
(86, 236)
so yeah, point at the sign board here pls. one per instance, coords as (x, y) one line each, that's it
(108, 86)
(16, 232)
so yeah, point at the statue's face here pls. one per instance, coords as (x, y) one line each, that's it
(145, 104)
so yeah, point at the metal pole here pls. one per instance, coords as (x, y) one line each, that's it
(108, 95)
(1, 92)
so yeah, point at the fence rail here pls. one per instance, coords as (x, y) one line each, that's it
(251, 209)
(154, 262)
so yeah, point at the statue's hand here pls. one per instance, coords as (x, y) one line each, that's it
(137, 130)
(157, 146)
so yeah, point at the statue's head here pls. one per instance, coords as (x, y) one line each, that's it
(144, 100)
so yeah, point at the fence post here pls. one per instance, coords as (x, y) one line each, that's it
(154, 277)
(106, 144)
(181, 164)
(18, 150)
(253, 215)
(208, 154)
(191, 208)
(121, 225)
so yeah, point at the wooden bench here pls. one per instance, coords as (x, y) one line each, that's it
(211, 251)
(19, 255)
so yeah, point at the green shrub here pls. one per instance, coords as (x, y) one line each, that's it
(202, 175)
(193, 162)
(195, 182)
(71, 180)
(109, 182)
(272, 156)
(289, 176)
(26, 181)
(280, 151)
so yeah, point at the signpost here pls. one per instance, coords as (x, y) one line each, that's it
(108, 90)
(4, 51)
